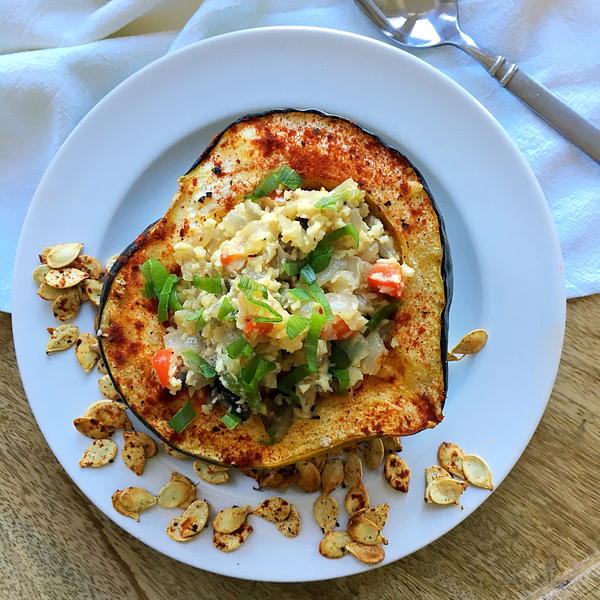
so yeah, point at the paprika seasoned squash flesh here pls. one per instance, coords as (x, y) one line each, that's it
(405, 396)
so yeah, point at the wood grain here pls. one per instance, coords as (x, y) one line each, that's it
(536, 537)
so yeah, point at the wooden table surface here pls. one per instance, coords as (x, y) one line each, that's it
(538, 536)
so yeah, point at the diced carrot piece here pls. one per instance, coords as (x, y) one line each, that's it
(161, 361)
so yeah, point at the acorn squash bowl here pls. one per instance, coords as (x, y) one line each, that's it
(407, 394)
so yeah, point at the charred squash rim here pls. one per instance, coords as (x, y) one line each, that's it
(445, 266)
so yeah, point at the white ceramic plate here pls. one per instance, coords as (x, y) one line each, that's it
(118, 170)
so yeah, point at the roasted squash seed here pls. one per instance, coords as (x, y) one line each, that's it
(434, 472)
(356, 498)
(230, 519)
(352, 470)
(110, 262)
(333, 545)
(92, 428)
(309, 478)
(290, 527)
(134, 456)
(450, 457)
(373, 452)
(64, 278)
(61, 338)
(363, 530)
(89, 265)
(396, 473)
(191, 497)
(149, 445)
(102, 367)
(282, 477)
(319, 461)
(273, 509)
(209, 473)
(392, 444)
(132, 501)
(378, 514)
(471, 343)
(87, 351)
(93, 290)
(98, 454)
(326, 512)
(62, 255)
(228, 542)
(477, 472)
(173, 493)
(370, 555)
(444, 490)
(39, 274)
(107, 389)
(66, 306)
(332, 474)
(110, 413)
(45, 292)
(190, 523)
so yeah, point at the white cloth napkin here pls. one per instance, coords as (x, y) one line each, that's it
(58, 64)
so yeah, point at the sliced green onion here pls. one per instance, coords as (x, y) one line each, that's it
(281, 175)
(339, 358)
(148, 291)
(320, 258)
(158, 273)
(277, 316)
(271, 440)
(291, 379)
(343, 378)
(250, 379)
(247, 351)
(213, 285)
(236, 348)
(225, 310)
(197, 316)
(199, 364)
(299, 294)
(249, 285)
(231, 420)
(292, 268)
(174, 303)
(317, 321)
(382, 313)
(295, 325)
(183, 417)
(334, 236)
(319, 295)
(165, 294)
(307, 274)
(346, 191)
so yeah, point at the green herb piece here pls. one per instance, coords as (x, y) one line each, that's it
(281, 175)
(183, 417)
(226, 310)
(292, 378)
(163, 299)
(212, 285)
(277, 318)
(250, 378)
(299, 294)
(334, 236)
(249, 285)
(292, 269)
(347, 190)
(236, 348)
(307, 274)
(320, 258)
(247, 351)
(319, 295)
(382, 313)
(199, 364)
(339, 358)
(343, 378)
(174, 303)
(271, 440)
(155, 274)
(231, 420)
(197, 316)
(316, 323)
(295, 325)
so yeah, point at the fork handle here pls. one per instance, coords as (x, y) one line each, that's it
(583, 133)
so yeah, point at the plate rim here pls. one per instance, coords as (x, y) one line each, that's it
(333, 33)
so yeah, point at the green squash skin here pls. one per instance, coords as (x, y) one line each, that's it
(446, 265)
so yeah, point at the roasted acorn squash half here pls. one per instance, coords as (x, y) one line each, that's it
(408, 393)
